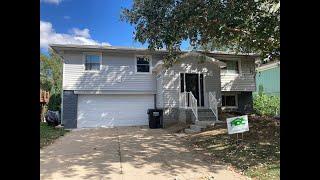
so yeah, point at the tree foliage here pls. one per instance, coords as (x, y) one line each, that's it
(266, 105)
(51, 78)
(244, 26)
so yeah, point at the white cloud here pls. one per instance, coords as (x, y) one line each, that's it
(51, 1)
(66, 17)
(79, 32)
(77, 36)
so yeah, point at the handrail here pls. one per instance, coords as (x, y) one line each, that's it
(185, 97)
(193, 105)
(213, 104)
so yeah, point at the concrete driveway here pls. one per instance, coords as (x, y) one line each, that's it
(125, 153)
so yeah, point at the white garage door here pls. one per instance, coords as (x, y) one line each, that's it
(113, 110)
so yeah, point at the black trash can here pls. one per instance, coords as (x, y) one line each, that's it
(155, 118)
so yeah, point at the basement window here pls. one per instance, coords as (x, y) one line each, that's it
(229, 101)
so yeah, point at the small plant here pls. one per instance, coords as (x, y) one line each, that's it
(266, 105)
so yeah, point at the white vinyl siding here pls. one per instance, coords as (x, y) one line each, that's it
(117, 73)
(159, 96)
(171, 80)
(244, 81)
(113, 110)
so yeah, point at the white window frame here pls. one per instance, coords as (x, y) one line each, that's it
(84, 60)
(230, 107)
(239, 67)
(150, 64)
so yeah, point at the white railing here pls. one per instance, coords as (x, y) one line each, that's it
(193, 104)
(187, 100)
(213, 104)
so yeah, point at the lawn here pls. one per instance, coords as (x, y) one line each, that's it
(258, 156)
(48, 134)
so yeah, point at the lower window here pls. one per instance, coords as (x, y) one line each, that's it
(229, 101)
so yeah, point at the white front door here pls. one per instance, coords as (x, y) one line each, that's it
(113, 110)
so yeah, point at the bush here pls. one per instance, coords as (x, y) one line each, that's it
(55, 102)
(266, 105)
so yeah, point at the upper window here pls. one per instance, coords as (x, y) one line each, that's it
(143, 64)
(92, 62)
(229, 100)
(232, 67)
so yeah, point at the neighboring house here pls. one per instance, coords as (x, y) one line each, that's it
(115, 86)
(268, 78)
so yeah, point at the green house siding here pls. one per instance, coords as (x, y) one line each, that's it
(270, 79)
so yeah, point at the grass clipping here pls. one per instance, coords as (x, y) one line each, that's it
(258, 156)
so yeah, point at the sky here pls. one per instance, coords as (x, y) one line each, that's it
(90, 22)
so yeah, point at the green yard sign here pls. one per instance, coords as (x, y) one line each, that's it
(238, 124)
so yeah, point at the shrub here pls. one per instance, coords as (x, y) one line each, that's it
(55, 102)
(266, 105)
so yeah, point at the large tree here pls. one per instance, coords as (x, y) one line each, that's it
(240, 25)
(51, 78)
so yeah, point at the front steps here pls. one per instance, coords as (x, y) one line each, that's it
(205, 119)
(206, 115)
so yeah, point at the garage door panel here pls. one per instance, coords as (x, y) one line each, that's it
(113, 110)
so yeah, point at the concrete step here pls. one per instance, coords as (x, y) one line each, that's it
(204, 123)
(206, 118)
(190, 131)
(205, 113)
(197, 127)
(204, 110)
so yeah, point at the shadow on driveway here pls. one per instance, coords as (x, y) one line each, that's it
(125, 153)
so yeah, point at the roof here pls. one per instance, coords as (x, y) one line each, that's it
(61, 47)
(207, 58)
(267, 66)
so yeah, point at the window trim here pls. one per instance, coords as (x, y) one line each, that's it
(236, 98)
(84, 60)
(239, 67)
(135, 64)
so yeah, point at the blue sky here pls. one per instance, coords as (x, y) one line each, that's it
(85, 22)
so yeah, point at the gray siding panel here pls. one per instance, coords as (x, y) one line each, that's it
(70, 103)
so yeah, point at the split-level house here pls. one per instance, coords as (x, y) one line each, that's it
(106, 86)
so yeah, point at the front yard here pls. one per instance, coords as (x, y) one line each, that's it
(48, 134)
(259, 155)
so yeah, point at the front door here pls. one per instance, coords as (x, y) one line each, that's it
(193, 83)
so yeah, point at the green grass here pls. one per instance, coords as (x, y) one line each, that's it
(48, 134)
(257, 157)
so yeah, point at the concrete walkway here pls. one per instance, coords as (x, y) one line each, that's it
(125, 153)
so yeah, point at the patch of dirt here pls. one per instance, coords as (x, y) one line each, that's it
(258, 155)
(176, 128)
